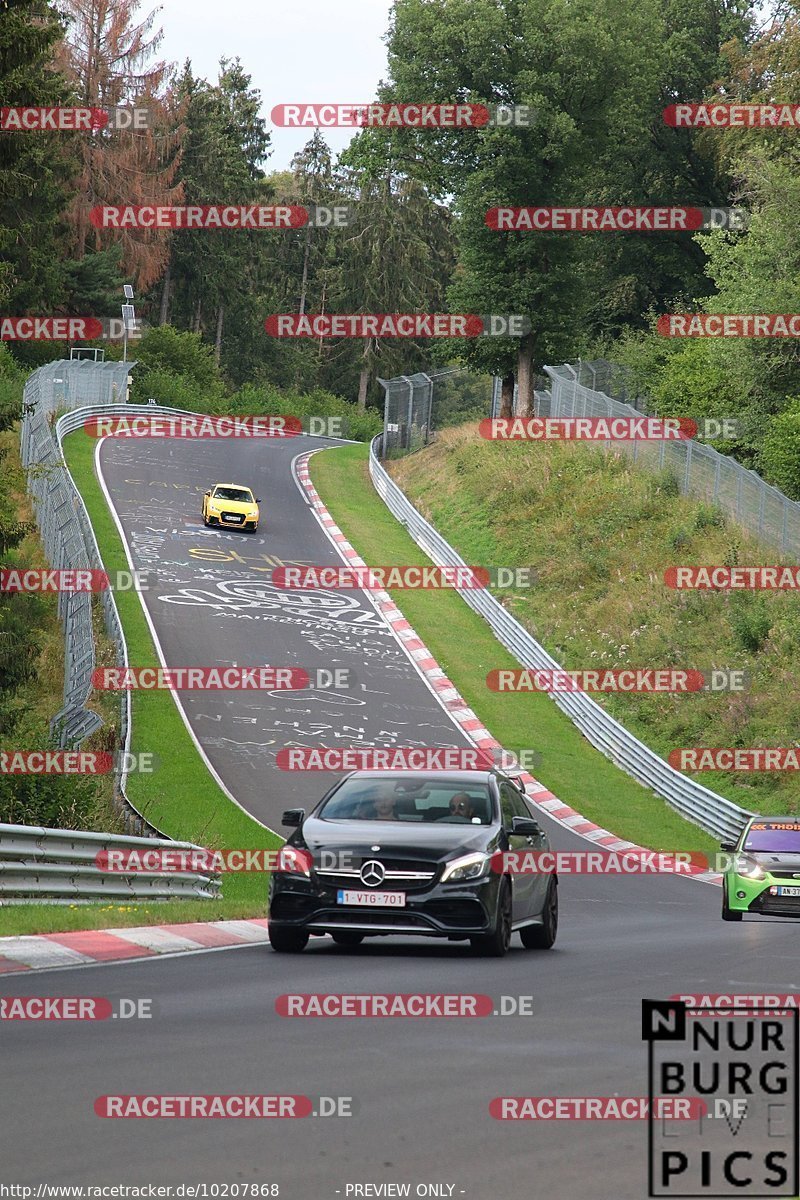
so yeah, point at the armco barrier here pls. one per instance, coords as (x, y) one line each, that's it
(64, 525)
(58, 866)
(712, 812)
(69, 541)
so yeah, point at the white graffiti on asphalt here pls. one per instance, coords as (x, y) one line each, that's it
(242, 595)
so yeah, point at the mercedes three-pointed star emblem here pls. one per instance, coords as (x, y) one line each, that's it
(373, 873)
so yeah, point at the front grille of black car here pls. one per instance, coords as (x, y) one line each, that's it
(776, 906)
(402, 874)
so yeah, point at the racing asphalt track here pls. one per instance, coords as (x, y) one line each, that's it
(421, 1087)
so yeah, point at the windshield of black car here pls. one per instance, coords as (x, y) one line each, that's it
(779, 837)
(233, 493)
(395, 798)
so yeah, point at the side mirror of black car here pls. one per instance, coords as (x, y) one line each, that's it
(727, 845)
(293, 817)
(526, 826)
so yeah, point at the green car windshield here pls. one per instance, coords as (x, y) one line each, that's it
(780, 837)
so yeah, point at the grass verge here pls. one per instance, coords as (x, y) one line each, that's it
(57, 918)
(465, 648)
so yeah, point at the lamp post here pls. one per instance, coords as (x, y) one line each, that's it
(128, 319)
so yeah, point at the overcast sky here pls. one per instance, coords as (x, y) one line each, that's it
(311, 51)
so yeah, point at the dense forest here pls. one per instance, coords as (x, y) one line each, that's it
(597, 77)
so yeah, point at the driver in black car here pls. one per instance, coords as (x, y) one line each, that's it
(461, 806)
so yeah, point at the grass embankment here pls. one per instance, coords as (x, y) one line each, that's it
(600, 534)
(180, 797)
(465, 648)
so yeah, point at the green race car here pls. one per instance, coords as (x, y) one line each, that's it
(763, 875)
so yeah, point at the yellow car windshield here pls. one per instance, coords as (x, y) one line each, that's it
(241, 495)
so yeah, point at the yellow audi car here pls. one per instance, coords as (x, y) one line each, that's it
(231, 505)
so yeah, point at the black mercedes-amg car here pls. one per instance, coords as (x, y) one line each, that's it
(413, 853)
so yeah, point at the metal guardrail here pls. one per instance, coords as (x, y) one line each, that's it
(58, 866)
(714, 813)
(69, 541)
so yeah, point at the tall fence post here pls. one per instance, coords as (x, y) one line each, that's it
(410, 417)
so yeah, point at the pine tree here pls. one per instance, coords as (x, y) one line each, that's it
(108, 57)
(35, 167)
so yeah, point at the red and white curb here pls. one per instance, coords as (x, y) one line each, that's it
(19, 955)
(454, 704)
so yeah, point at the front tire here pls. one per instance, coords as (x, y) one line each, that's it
(497, 943)
(728, 913)
(287, 941)
(542, 937)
